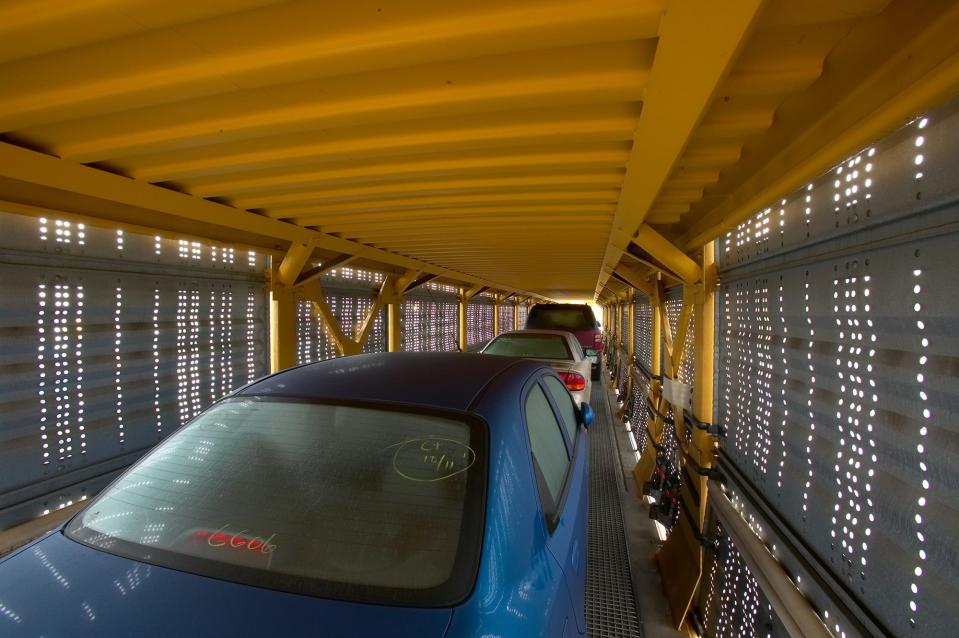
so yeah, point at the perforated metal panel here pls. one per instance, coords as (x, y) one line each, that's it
(479, 320)
(839, 352)
(674, 307)
(506, 317)
(109, 341)
(734, 606)
(521, 313)
(429, 319)
(642, 330)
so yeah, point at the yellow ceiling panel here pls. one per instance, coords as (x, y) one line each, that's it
(520, 144)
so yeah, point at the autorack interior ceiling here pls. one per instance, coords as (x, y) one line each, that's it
(193, 193)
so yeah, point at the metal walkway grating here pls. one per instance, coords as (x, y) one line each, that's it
(610, 603)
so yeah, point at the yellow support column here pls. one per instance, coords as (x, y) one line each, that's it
(461, 320)
(704, 444)
(393, 313)
(283, 276)
(516, 325)
(282, 328)
(681, 558)
(496, 326)
(656, 339)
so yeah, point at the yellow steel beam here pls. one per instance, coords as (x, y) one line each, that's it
(612, 71)
(283, 305)
(634, 278)
(37, 27)
(580, 219)
(556, 125)
(282, 328)
(328, 265)
(667, 254)
(600, 199)
(394, 336)
(314, 42)
(571, 181)
(698, 42)
(39, 180)
(292, 264)
(682, 327)
(313, 292)
(465, 212)
(919, 73)
(506, 162)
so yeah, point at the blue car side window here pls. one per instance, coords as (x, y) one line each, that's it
(564, 403)
(550, 456)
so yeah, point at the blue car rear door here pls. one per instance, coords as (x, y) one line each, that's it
(567, 540)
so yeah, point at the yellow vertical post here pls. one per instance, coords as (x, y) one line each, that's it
(283, 275)
(656, 338)
(704, 444)
(630, 318)
(496, 326)
(617, 329)
(461, 319)
(282, 328)
(516, 325)
(394, 311)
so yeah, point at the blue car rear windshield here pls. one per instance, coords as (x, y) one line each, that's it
(348, 502)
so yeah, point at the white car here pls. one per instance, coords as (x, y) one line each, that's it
(557, 348)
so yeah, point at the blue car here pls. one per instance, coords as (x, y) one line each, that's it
(406, 494)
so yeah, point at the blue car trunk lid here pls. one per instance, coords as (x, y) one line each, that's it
(60, 587)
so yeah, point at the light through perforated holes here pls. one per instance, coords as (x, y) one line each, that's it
(923, 420)
(782, 389)
(853, 188)
(812, 383)
(855, 410)
(920, 140)
(118, 362)
(156, 360)
(60, 351)
(250, 317)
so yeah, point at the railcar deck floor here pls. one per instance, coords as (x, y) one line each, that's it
(610, 600)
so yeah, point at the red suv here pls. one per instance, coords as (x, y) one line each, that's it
(576, 318)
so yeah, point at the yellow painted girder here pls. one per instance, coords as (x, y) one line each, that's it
(538, 160)
(569, 180)
(464, 212)
(667, 254)
(575, 75)
(416, 203)
(42, 176)
(681, 87)
(556, 125)
(296, 41)
(33, 27)
(577, 220)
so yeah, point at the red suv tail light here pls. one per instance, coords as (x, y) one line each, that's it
(574, 381)
(598, 342)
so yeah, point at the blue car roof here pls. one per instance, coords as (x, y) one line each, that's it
(449, 380)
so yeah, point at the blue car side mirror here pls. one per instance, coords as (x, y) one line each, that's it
(585, 414)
